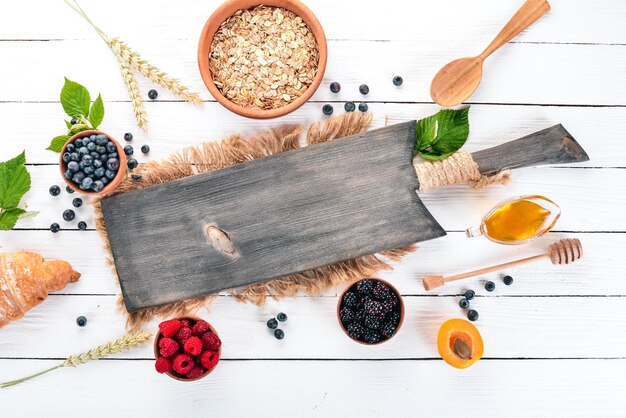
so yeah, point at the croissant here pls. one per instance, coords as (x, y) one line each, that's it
(25, 281)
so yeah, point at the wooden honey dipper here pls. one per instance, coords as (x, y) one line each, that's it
(563, 251)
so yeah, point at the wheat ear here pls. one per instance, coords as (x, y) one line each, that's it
(117, 346)
(153, 73)
(133, 91)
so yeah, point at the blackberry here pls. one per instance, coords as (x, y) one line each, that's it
(355, 331)
(335, 87)
(347, 315)
(272, 323)
(389, 305)
(374, 307)
(388, 330)
(365, 286)
(371, 337)
(382, 291)
(469, 294)
(393, 317)
(371, 322)
(508, 280)
(350, 299)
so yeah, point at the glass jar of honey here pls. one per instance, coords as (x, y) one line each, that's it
(518, 220)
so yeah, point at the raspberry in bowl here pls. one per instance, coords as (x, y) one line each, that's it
(186, 348)
(370, 311)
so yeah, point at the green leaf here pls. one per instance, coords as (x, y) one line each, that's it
(77, 128)
(96, 114)
(14, 181)
(58, 142)
(68, 124)
(75, 99)
(442, 134)
(29, 214)
(8, 218)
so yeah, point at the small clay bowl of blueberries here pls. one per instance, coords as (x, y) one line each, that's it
(370, 311)
(93, 163)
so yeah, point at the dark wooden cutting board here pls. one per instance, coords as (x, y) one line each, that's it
(282, 214)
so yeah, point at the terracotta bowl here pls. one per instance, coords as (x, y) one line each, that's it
(226, 10)
(393, 289)
(113, 183)
(175, 376)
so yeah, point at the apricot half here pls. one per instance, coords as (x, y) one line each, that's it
(459, 343)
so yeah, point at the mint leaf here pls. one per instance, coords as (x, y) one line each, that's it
(14, 181)
(96, 114)
(442, 134)
(58, 142)
(8, 218)
(75, 99)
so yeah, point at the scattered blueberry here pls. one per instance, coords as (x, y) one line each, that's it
(508, 280)
(145, 149)
(490, 286)
(81, 321)
(335, 87)
(128, 150)
(349, 106)
(128, 137)
(82, 225)
(69, 189)
(327, 109)
(272, 323)
(282, 317)
(153, 94)
(132, 163)
(464, 303)
(469, 294)
(136, 177)
(78, 202)
(68, 215)
(397, 81)
(472, 315)
(363, 107)
(55, 190)
(364, 89)
(55, 227)
(73, 121)
(279, 334)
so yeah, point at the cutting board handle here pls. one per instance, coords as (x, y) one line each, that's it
(553, 145)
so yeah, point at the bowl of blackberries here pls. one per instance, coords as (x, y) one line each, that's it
(370, 311)
(93, 163)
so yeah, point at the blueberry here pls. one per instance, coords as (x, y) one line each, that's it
(82, 225)
(81, 166)
(364, 89)
(69, 189)
(94, 155)
(55, 227)
(279, 334)
(145, 149)
(99, 172)
(78, 177)
(132, 163)
(464, 303)
(81, 321)
(104, 158)
(55, 190)
(349, 106)
(73, 166)
(78, 143)
(113, 155)
(113, 164)
(91, 146)
(508, 280)
(74, 157)
(92, 137)
(128, 150)
(136, 177)
(153, 94)
(87, 160)
(272, 323)
(110, 146)
(282, 317)
(335, 87)
(490, 286)
(104, 180)
(110, 174)
(101, 149)
(86, 140)
(128, 137)
(68, 174)
(472, 315)
(66, 157)
(97, 163)
(69, 214)
(70, 148)
(89, 170)
(101, 139)
(73, 121)
(97, 186)
(327, 109)
(86, 183)
(78, 202)
(397, 81)
(363, 107)
(469, 294)
(83, 151)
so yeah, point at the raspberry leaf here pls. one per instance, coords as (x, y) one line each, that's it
(58, 142)
(96, 114)
(75, 99)
(442, 134)
(14, 182)
(8, 218)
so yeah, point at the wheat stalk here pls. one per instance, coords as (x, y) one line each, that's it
(115, 347)
(135, 96)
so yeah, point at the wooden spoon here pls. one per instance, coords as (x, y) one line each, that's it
(458, 80)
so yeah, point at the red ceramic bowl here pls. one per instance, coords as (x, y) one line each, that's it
(225, 11)
(176, 376)
(393, 289)
(113, 183)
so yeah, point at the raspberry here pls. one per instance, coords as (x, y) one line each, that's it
(183, 334)
(195, 372)
(185, 323)
(163, 365)
(193, 346)
(169, 328)
(182, 364)
(200, 328)
(209, 359)
(168, 347)
(211, 341)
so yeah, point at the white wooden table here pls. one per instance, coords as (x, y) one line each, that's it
(555, 341)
